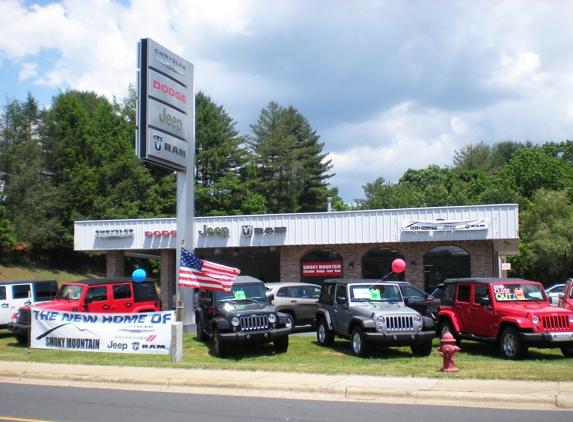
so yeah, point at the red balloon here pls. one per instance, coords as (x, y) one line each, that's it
(398, 265)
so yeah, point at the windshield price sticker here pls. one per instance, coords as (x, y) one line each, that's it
(239, 294)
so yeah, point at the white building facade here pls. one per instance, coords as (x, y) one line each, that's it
(436, 243)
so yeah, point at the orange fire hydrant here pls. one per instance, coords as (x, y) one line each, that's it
(448, 349)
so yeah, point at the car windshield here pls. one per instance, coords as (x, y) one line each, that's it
(70, 292)
(252, 292)
(522, 292)
(375, 293)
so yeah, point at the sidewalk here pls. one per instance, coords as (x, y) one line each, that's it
(427, 391)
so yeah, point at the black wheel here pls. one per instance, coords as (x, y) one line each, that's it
(281, 345)
(291, 320)
(21, 339)
(422, 350)
(221, 347)
(324, 335)
(567, 351)
(446, 326)
(201, 336)
(511, 345)
(360, 346)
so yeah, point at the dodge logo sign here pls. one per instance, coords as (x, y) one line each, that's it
(247, 231)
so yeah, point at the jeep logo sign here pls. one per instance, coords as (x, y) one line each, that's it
(217, 231)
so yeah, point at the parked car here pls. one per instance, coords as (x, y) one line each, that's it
(15, 294)
(566, 298)
(553, 293)
(433, 305)
(369, 312)
(414, 297)
(105, 295)
(298, 300)
(245, 315)
(512, 313)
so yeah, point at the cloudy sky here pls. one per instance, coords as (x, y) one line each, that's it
(387, 84)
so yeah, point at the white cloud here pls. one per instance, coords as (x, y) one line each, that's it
(28, 70)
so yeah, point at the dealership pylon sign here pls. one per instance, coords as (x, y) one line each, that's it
(165, 107)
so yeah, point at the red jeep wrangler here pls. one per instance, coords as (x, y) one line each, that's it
(105, 295)
(513, 313)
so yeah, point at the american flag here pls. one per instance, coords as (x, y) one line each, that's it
(200, 274)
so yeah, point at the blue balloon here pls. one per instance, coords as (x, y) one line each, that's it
(139, 275)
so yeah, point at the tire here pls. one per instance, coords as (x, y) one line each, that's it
(422, 350)
(324, 335)
(360, 346)
(281, 345)
(221, 347)
(291, 320)
(21, 339)
(201, 336)
(446, 326)
(511, 346)
(567, 351)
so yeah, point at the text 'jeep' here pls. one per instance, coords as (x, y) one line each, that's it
(370, 312)
(513, 313)
(245, 315)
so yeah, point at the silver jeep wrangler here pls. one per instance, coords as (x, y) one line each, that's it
(368, 312)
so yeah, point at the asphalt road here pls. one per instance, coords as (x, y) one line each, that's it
(50, 403)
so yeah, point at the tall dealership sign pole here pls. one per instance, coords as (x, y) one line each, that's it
(166, 136)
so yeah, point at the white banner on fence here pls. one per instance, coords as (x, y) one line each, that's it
(144, 333)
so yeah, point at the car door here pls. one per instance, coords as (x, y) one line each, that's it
(303, 299)
(5, 311)
(463, 306)
(122, 298)
(340, 310)
(417, 299)
(483, 318)
(98, 299)
(18, 296)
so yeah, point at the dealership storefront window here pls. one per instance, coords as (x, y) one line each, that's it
(445, 262)
(320, 264)
(377, 263)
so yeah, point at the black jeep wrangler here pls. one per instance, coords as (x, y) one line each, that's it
(243, 316)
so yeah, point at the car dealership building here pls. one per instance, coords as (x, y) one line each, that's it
(436, 243)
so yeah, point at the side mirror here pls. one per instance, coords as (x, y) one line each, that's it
(271, 297)
(486, 301)
(406, 300)
(561, 295)
(341, 300)
(88, 300)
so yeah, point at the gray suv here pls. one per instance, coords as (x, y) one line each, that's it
(368, 312)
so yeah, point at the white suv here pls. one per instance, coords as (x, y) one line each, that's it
(15, 294)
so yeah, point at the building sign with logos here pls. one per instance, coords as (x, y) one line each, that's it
(165, 108)
(322, 269)
(454, 226)
(113, 233)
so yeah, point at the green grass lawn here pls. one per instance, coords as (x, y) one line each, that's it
(476, 360)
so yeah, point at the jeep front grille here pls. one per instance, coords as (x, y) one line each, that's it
(399, 323)
(254, 322)
(556, 322)
(24, 316)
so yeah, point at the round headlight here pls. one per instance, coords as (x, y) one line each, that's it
(380, 320)
(235, 321)
(272, 318)
(535, 319)
(417, 319)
